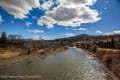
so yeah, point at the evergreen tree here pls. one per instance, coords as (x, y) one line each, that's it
(3, 38)
(112, 43)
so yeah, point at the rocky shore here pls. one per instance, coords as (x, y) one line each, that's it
(104, 57)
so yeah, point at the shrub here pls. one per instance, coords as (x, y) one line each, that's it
(100, 53)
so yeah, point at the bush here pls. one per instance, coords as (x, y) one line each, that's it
(116, 70)
(111, 59)
(107, 60)
(100, 54)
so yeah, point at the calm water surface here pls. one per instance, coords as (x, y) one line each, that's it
(73, 64)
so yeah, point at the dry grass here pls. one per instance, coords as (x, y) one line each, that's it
(111, 59)
(108, 50)
(4, 54)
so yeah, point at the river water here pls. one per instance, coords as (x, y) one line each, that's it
(73, 64)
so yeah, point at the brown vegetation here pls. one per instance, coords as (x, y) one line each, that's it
(106, 48)
(14, 50)
(111, 59)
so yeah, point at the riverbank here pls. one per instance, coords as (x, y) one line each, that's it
(16, 57)
(73, 64)
(107, 57)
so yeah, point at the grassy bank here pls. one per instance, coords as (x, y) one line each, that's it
(8, 57)
(111, 59)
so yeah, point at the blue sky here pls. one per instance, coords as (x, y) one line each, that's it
(52, 20)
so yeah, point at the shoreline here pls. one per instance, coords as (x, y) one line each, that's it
(30, 57)
(43, 53)
(108, 73)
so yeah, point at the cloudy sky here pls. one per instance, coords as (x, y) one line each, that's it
(51, 19)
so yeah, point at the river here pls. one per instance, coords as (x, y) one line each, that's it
(73, 64)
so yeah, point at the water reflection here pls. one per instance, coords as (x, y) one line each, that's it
(73, 64)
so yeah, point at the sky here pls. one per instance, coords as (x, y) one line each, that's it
(52, 19)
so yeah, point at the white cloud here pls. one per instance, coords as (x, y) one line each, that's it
(117, 32)
(66, 13)
(82, 29)
(35, 31)
(78, 2)
(19, 8)
(34, 17)
(108, 33)
(70, 13)
(99, 32)
(47, 21)
(28, 23)
(46, 5)
(105, 8)
(35, 37)
(1, 19)
(112, 33)
(69, 34)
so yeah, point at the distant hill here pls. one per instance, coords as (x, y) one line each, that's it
(83, 37)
